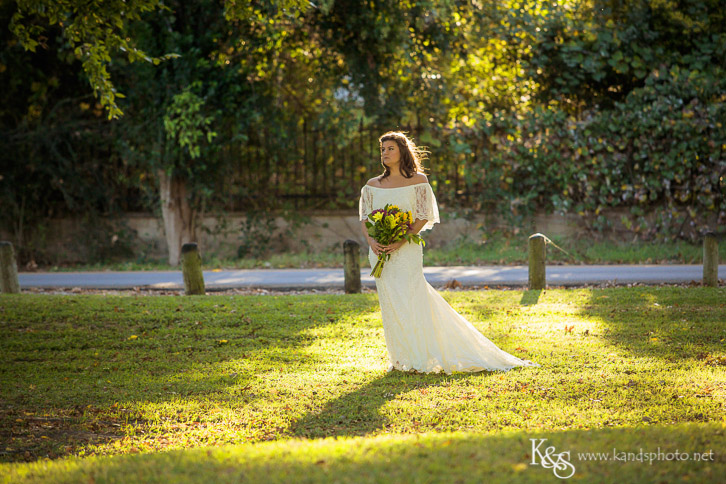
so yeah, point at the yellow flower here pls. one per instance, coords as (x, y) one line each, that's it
(377, 216)
(391, 221)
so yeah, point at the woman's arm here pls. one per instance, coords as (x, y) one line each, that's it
(372, 243)
(365, 231)
(417, 226)
(415, 229)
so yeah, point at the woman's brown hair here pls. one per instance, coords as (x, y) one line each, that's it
(411, 155)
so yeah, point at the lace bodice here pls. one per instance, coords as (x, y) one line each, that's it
(419, 199)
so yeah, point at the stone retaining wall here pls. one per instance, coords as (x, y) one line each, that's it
(322, 231)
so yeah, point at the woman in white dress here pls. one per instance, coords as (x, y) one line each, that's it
(423, 332)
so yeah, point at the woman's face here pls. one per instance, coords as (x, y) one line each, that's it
(390, 154)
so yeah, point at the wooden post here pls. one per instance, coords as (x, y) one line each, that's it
(351, 251)
(710, 260)
(8, 269)
(537, 278)
(192, 269)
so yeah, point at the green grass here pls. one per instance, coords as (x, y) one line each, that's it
(456, 457)
(496, 249)
(262, 388)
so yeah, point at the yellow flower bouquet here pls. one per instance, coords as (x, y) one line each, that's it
(390, 224)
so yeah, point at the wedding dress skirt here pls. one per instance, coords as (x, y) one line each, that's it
(422, 331)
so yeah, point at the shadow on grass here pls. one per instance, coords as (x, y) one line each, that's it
(358, 413)
(530, 298)
(446, 457)
(87, 360)
(666, 323)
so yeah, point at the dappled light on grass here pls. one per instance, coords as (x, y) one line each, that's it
(310, 367)
(662, 323)
(448, 456)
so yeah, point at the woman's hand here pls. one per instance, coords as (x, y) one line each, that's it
(373, 243)
(390, 249)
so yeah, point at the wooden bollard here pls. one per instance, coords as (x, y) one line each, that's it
(351, 251)
(710, 260)
(537, 278)
(8, 269)
(192, 269)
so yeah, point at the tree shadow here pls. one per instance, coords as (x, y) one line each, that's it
(112, 354)
(358, 413)
(530, 298)
(455, 458)
(667, 323)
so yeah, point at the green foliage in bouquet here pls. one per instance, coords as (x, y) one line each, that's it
(390, 225)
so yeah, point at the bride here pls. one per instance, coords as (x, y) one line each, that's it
(423, 332)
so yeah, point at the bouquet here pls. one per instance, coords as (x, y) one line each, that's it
(390, 224)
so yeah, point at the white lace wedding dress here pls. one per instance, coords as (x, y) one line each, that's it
(422, 331)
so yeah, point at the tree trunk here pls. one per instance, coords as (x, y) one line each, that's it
(8, 269)
(192, 269)
(537, 278)
(177, 214)
(351, 268)
(710, 260)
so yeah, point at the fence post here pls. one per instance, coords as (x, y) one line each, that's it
(710, 260)
(351, 251)
(8, 269)
(537, 278)
(192, 269)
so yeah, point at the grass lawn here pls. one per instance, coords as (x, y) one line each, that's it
(497, 249)
(294, 389)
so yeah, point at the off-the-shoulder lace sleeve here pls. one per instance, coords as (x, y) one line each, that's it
(365, 205)
(425, 207)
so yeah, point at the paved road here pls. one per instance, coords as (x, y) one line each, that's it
(283, 279)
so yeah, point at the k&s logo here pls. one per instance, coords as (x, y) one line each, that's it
(558, 462)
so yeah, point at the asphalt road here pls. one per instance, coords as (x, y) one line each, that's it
(282, 279)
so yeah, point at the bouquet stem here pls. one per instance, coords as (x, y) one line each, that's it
(378, 269)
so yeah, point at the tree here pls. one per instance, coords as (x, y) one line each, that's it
(176, 107)
(95, 30)
(227, 70)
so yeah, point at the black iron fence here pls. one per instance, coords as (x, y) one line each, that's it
(321, 168)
